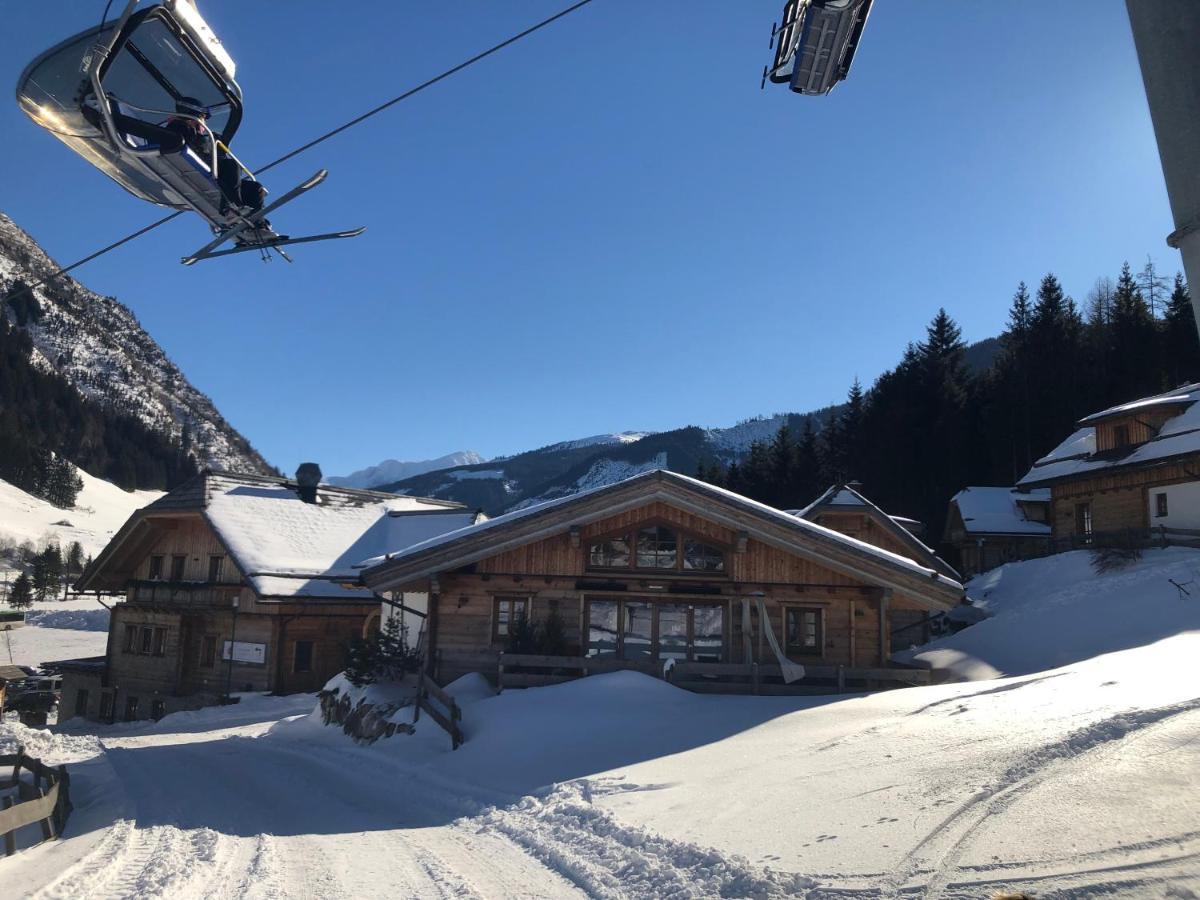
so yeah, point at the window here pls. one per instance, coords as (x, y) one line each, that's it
(214, 568)
(160, 641)
(637, 633)
(655, 547)
(81, 701)
(131, 709)
(130, 645)
(106, 706)
(505, 611)
(802, 631)
(177, 563)
(208, 651)
(158, 709)
(1160, 505)
(702, 558)
(156, 564)
(302, 662)
(1121, 436)
(147, 640)
(610, 554)
(1083, 519)
(640, 629)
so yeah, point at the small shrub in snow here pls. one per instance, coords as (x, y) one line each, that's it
(385, 656)
(1118, 556)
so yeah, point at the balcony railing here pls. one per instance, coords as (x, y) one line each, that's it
(184, 593)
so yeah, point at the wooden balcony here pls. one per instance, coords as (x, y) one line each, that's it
(183, 594)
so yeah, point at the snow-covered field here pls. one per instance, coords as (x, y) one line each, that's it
(56, 630)
(1076, 781)
(100, 510)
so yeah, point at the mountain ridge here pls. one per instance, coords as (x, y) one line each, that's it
(100, 348)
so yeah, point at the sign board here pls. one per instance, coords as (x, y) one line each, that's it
(246, 652)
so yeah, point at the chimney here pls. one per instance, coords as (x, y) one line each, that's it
(308, 476)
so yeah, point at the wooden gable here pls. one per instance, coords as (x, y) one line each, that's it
(756, 562)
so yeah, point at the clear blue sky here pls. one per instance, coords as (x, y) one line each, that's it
(608, 226)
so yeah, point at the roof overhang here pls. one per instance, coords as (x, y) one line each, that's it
(772, 527)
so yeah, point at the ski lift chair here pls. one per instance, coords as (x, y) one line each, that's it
(109, 92)
(816, 43)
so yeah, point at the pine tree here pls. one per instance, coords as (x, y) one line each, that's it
(47, 573)
(74, 561)
(362, 662)
(1133, 367)
(1153, 287)
(21, 594)
(1181, 350)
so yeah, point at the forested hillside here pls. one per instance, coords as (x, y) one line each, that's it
(933, 425)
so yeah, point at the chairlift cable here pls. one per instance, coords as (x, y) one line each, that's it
(308, 146)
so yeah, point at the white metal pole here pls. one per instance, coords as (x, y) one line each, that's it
(1167, 36)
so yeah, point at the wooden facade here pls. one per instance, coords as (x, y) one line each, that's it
(641, 615)
(1111, 500)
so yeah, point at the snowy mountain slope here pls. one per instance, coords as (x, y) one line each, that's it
(99, 346)
(392, 470)
(100, 509)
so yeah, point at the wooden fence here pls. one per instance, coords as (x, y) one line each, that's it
(449, 719)
(1128, 539)
(45, 799)
(723, 678)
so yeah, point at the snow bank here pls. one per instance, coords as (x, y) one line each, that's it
(57, 630)
(92, 618)
(1057, 610)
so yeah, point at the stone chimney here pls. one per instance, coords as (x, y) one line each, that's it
(308, 477)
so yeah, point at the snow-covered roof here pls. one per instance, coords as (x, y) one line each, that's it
(778, 516)
(274, 536)
(844, 497)
(997, 510)
(284, 546)
(1077, 455)
(1181, 396)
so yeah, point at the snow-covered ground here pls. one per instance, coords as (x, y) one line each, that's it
(1076, 781)
(56, 630)
(100, 510)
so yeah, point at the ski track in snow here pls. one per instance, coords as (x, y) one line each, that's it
(937, 855)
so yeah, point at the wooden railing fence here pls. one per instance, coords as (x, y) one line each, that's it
(702, 677)
(46, 799)
(449, 719)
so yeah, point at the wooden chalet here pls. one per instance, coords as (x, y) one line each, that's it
(991, 526)
(1127, 471)
(845, 509)
(662, 567)
(238, 583)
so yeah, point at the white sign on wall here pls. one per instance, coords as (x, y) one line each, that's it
(246, 652)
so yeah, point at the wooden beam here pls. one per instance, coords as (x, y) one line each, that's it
(885, 652)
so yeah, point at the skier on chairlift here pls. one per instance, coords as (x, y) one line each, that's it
(242, 196)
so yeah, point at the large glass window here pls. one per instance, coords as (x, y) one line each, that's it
(702, 557)
(708, 633)
(658, 548)
(602, 629)
(640, 629)
(637, 635)
(673, 631)
(610, 554)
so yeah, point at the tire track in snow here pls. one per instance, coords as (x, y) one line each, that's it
(1031, 769)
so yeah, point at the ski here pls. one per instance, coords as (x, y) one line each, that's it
(269, 244)
(251, 220)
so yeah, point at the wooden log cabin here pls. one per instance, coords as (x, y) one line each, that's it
(239, 582)
(991, 526)
(1134, 468)
(661, 567)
